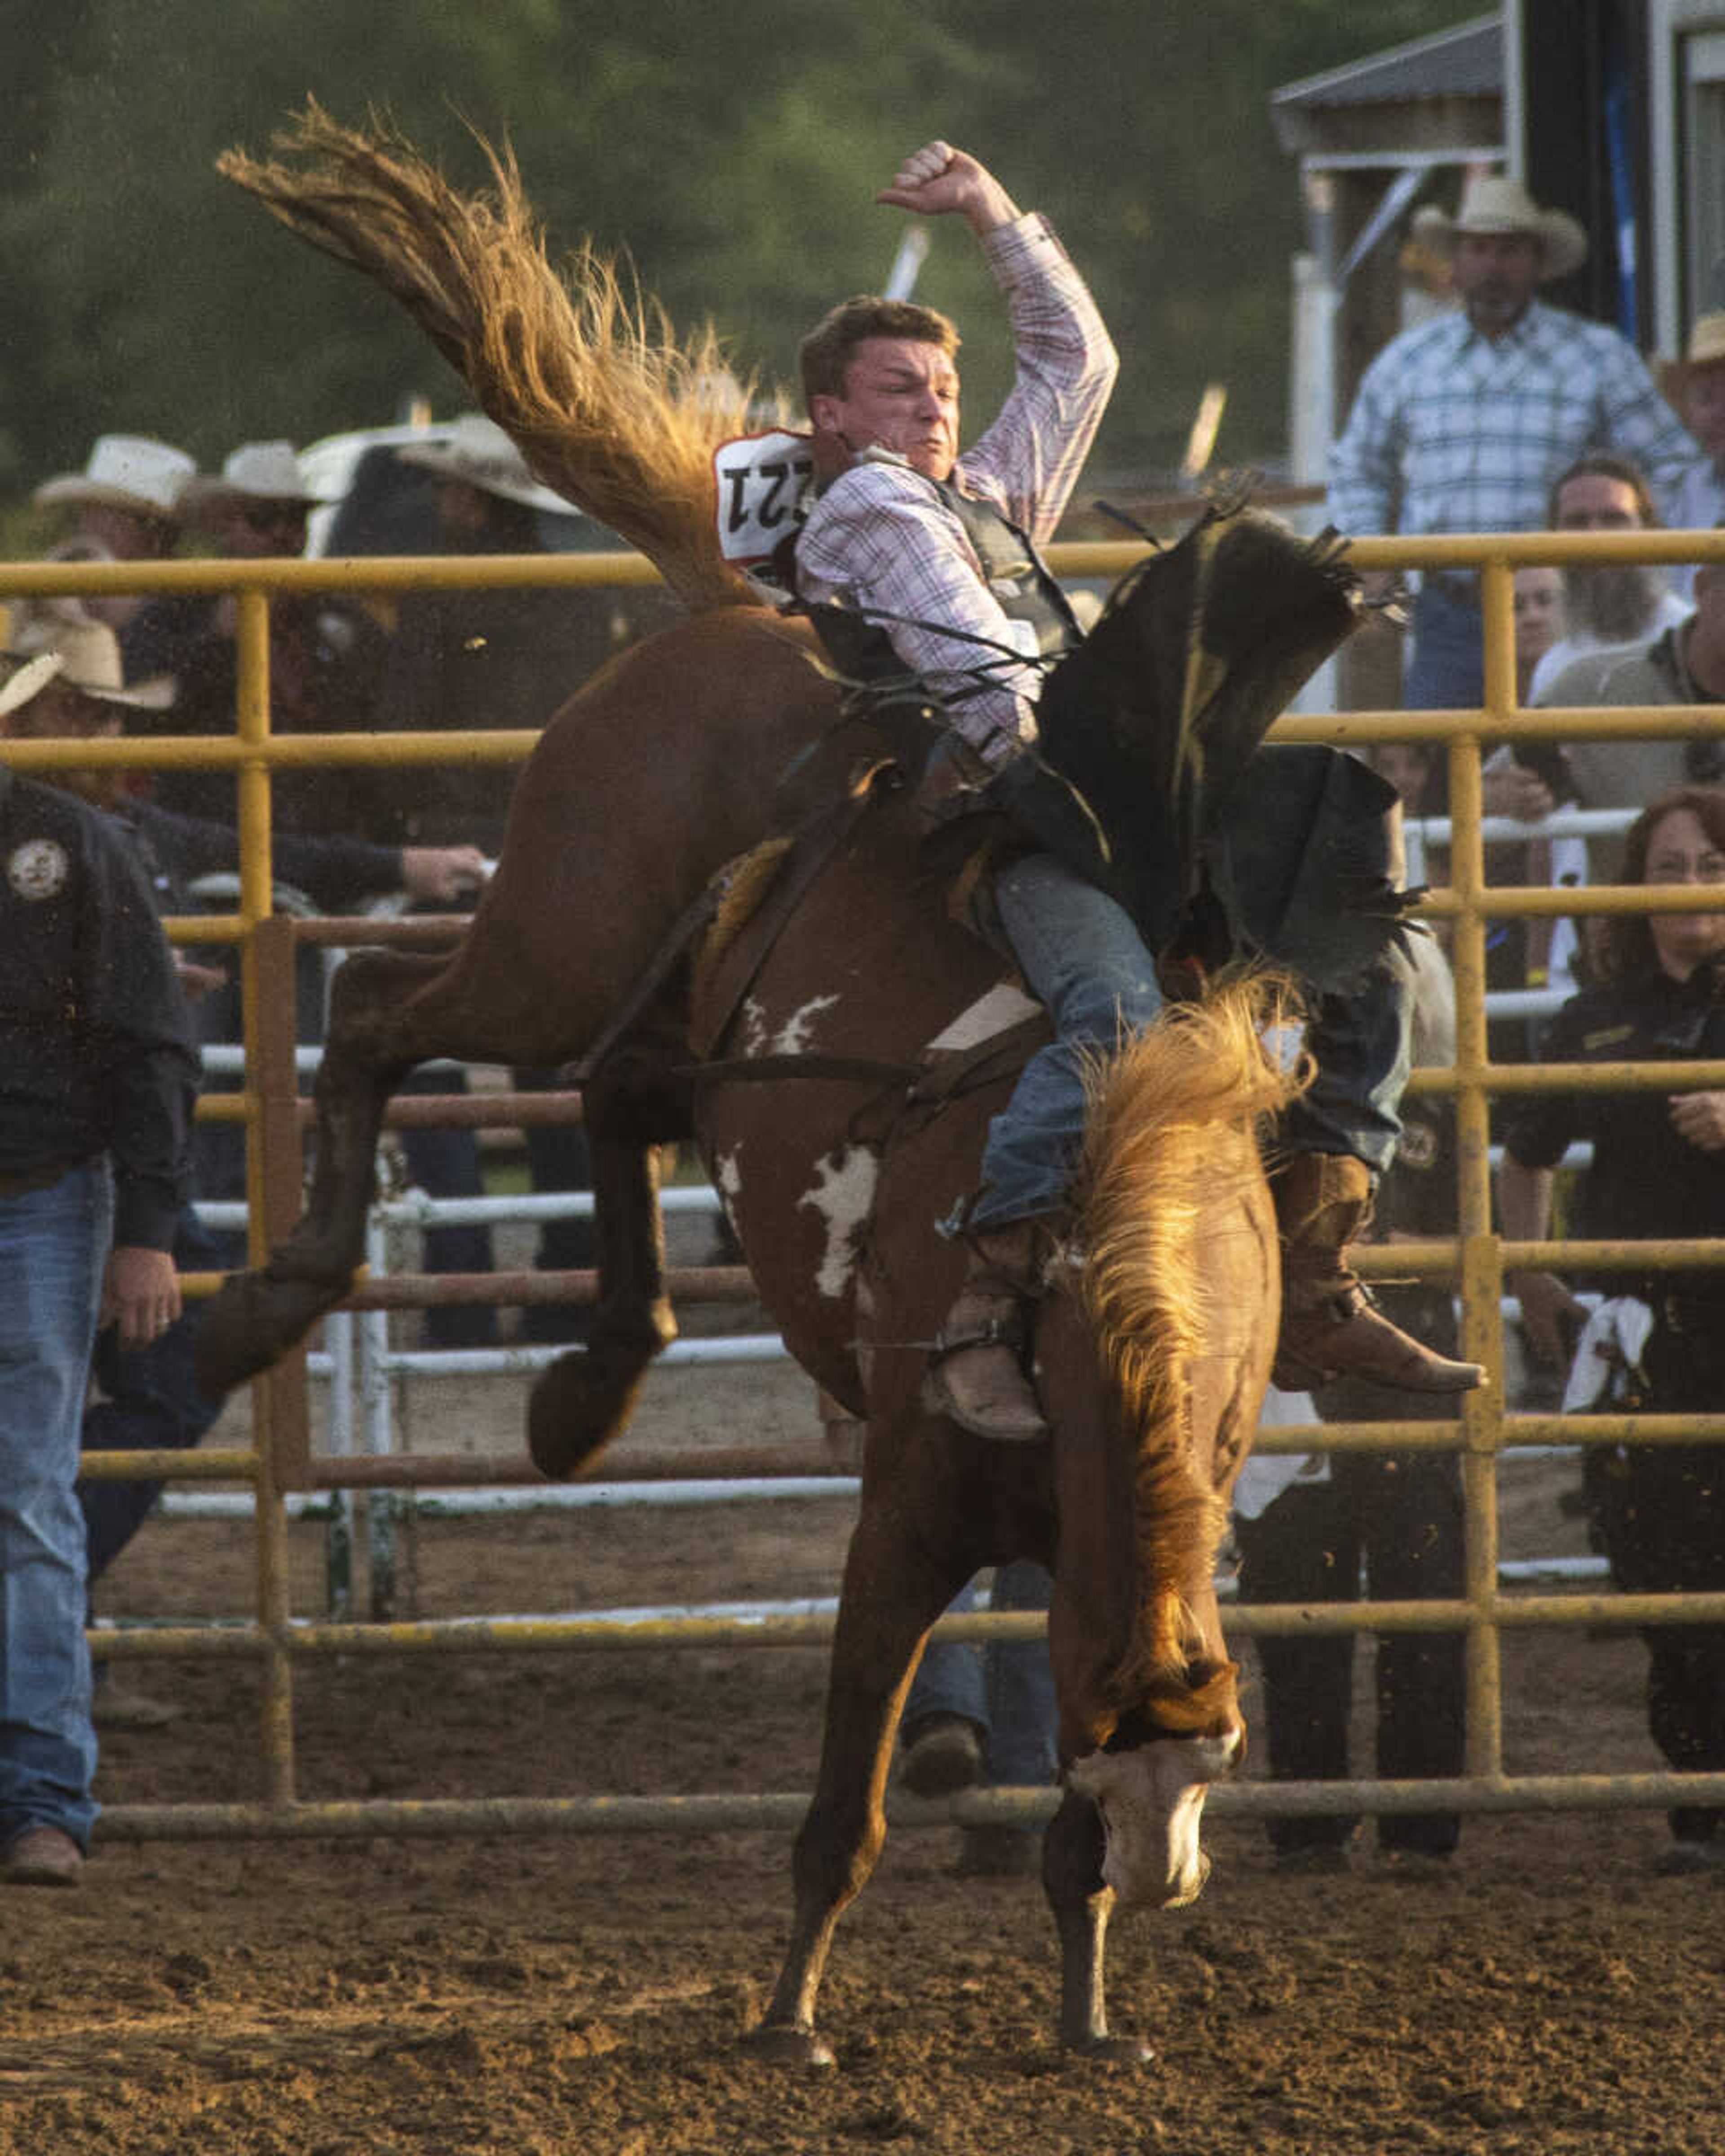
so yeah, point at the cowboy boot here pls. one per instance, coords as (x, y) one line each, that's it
(976, 1374)
(1330, 1326)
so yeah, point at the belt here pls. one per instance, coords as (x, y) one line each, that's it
(34, 1178)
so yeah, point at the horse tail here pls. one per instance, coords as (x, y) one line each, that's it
(1171, 1143)
(587, 376)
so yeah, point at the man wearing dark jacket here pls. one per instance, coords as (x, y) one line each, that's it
(97, 1079)
(151, 1398)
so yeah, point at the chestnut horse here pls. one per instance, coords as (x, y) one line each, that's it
(1153, 1343)
(1152, 1349)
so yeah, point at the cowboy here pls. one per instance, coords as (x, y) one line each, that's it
(127, 504)
(940, 549)
(326, 652)
(151, 1401)
(496, 658)
(96, 1083)
(1462, 423)
(1695, 385)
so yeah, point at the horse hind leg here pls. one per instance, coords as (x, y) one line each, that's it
(585, 1397)
(378, 1030)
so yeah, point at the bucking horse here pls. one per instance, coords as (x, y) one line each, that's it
(716, 907)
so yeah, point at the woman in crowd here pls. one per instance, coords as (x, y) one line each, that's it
(1657, 1345)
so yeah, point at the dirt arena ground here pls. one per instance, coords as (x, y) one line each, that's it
(540, 1997)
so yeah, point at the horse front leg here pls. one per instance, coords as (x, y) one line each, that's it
(585, 1397)
(1072, 1852)
(375, 1038)
(891, 1595)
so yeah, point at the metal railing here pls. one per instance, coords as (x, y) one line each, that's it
(278, 1457)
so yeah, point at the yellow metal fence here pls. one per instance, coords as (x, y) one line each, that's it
(1477, 1259)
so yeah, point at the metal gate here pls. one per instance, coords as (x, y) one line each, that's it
(279, 1460)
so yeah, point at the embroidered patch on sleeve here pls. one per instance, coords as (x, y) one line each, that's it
(37, 869)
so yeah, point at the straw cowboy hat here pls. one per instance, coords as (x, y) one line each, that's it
(256, 471)
(1494, 203)
(476, 451)
(126, 471)
(1706, 348)
(57, 644)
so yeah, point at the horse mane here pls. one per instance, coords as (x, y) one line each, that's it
(1152, 1171)
(586, 376)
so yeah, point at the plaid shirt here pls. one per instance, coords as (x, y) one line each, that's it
(881, 537)
(1452, 431)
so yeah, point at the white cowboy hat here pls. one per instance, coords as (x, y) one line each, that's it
(1706, 348)
(57, 644)
(256, 471)
(475, 449)
(1494, 203)
(126, 471)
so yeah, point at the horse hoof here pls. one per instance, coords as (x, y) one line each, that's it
(789, 2047)
(1114, 2050)
(583, 1401)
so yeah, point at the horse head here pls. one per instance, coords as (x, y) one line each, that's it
(1178, 1295)
(1150, 1797)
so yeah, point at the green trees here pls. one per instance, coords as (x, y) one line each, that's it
(734, 152)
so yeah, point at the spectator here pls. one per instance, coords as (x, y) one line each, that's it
(1399, 1513)
(96, 1083)
(1539, 604)
(1461, 422)
(126, 508)
(1656, 1344)
(491, 657)
(326, 663)
(1605, 603)
(1683, 666)
(326, 652)
(1695, 385)
(1529, 954)
(499, 658)
(150, 1397)
(985, 1714)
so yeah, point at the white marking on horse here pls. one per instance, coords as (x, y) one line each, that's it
(843, 1198)
(798, 1031)
(753, 1039)
(1150, 1799)
(728, 1181)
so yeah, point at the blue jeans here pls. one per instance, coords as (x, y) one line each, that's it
(1006, 1688)
(1447, 671)
(1085, 962)
(153, 1404)
(53, 1244)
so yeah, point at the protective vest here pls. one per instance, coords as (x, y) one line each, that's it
(1014, 572)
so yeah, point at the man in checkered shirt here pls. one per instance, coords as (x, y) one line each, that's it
(1462, 424)
(939, 550)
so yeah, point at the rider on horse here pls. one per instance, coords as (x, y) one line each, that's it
(939, 551)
